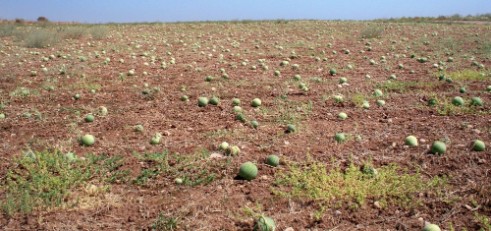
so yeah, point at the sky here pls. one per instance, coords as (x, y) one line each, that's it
(103, 11)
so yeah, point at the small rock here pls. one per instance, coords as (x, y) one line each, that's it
(264, 177)
(377, 204)
(477, 131)
(287, 142)
(216, 155)
(422, 141)
(337, 213)
(389, 120)
(289, 229)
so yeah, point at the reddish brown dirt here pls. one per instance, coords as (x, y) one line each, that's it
(188, 128)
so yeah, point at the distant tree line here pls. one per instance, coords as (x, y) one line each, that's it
(454, 17)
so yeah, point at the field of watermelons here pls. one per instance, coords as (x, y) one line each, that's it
(265, 125)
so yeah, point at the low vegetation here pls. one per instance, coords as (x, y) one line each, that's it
(354, 186)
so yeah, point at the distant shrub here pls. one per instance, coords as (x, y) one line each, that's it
(99, 32)
(20, 21)
(73, 32)
(6, 30)
(42, 19)
(40, 38)
(372, 31)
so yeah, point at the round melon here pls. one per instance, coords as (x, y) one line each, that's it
(254, 124)
(462, 90)
(178, 181)
(237, 109)
(138, 128)
(202, 101)
(478, 146)
(342, 116)
(235, 102)
(265, 223)
(87, 140)
(332, 71)
(214, 100)
(290, 128)
(223, 146)
(343, 80)
(438, 147)
(273, 160)
(185, 98)
(431, 227)
(89, 118)
(458, 101)
(476, 101)
(241, 117)
(378, 93)
(248, 171)
(340, 137)
(156, 139)
(411, 141)
(432, 102)
(233, 150)
(256, 102)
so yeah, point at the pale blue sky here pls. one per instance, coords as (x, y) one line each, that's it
(100, 11)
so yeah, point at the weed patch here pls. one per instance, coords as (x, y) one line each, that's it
(353, 186)
(46, 179)
(40, 38)
(164, 223)
(467, 75)
(195, 169)
(41, 180)
(372, 31)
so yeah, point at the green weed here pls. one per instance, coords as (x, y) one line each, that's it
(41, 180)
(46, 179)
(7, 30)
(372, 31)
(164, 223)
(195, 169)
(73, 32)
(358, 99)
(405, 86)
(353, 186)
(445, 108)
(108, 168)
(23, 92)
(99, 32)
(484, 222)
(40, 38)
(467, 75)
